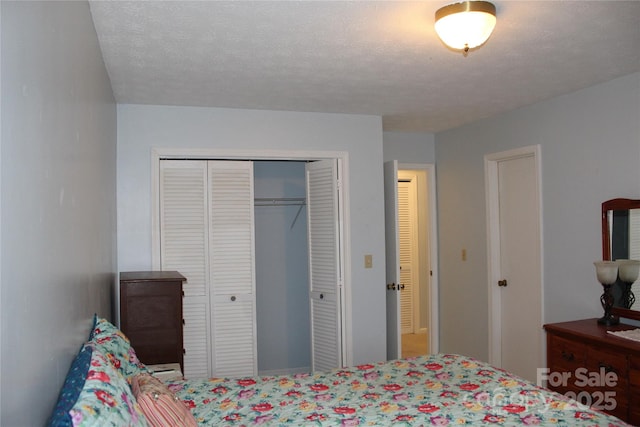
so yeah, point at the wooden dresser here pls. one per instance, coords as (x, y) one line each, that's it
(151, 315)
(598, 368)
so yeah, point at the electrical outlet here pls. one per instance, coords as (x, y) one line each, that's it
(368, 261)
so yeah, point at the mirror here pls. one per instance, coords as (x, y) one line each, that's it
(621, 240)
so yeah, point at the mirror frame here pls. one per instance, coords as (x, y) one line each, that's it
(616, 205)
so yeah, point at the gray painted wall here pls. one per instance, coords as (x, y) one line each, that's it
(58, 199)
(590, 143)
(282, 270)
(141, 127)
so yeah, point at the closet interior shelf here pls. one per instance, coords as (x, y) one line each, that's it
(282, 201)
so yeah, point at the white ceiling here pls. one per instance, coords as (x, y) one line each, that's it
(360, 57)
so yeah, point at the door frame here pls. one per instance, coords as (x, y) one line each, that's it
(344, 217)
(493, 243)
(434, 286)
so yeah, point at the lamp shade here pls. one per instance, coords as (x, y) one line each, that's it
(628, 269)
(607, 272)
(465, 25)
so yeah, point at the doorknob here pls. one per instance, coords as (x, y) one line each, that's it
(401, 286)
(391, 286)
(502, 283)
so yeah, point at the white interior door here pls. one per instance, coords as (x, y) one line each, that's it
(325, 277)
(392, 257)
(516, 287)
(183, 247)
(206, 233)
(232, 268)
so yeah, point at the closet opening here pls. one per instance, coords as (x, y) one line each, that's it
(282, 270)
(267, 288)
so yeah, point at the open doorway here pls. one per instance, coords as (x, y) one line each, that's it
(411, 260)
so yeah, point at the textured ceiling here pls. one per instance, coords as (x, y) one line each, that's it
(360, 57)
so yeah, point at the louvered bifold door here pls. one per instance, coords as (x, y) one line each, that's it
(232, 271)
(183, 247)
(324, 264)
(405, 233)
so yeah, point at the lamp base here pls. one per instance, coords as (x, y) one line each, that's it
(609, 320)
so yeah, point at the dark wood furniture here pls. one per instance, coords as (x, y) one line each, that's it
(151, 315)
(581, 348)
(617, 205)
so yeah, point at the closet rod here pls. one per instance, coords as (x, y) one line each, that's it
(280, 201)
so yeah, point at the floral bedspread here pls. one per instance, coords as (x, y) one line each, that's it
(436, 390)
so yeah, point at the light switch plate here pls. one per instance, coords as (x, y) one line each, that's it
(368, 261)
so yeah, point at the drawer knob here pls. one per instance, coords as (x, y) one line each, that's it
(233, 298)
(568, 356)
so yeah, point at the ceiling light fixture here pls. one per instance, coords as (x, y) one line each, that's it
(463, 26)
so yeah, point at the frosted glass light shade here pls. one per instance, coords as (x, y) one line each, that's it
(628, 269)
(607, 272)
(465, 25)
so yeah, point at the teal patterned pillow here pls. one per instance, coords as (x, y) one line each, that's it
(106, 400)
(111, 342)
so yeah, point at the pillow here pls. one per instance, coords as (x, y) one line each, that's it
(106, 398)
(111, 342)
(73, 384)
(159, 405)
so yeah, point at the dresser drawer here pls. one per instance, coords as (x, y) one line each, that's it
(634, 408)
(600, 360)
(634, 372)
(634, 387)
(565, 355)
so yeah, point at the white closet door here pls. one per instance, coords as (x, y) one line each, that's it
(183, 247)
(232, 271)
(324, 264)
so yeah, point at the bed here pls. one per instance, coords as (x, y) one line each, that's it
(439, 390)
(108, 386)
